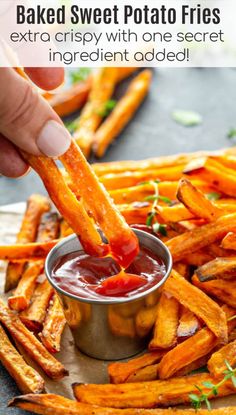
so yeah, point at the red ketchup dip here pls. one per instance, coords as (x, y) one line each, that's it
(86, 276)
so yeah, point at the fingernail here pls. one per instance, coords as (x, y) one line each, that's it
(53, 139)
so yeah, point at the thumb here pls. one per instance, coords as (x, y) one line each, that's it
(27, 120)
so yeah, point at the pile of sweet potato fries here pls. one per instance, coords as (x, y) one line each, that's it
(189, 202)
(92, 95)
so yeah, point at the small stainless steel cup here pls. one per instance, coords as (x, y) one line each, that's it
(106, 329)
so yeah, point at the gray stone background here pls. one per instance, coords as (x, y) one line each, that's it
(152, 132)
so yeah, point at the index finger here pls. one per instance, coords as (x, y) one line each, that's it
(46, 78)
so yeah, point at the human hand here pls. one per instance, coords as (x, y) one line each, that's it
(27, 121)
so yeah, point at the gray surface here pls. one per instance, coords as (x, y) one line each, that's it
(211, 92)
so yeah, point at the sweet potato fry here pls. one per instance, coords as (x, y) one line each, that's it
(72, 99)
(195, 201)
(215, 173)
(187, 352)
(147, 394)
(122, 113)
(165, 330)
(122, 241)
(70, 208)
(145, 320)
(197, 258)
(221, 289)
(135, 213)
(229, 241)
(36, 206)
(175, 213)
(219, 268)
(20, 300)
(216, 364)
(141, 191)
(188, 324)
(114, 181)
(199, 303)
(53, 326)
(48, 230)
(92, 113)
(34, 250)
(120, 372)
(34, 316)
(58, 405)
(145, 374)
(198, 238)
(52, 367)
(27, 379)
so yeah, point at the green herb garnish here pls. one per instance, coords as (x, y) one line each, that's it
(213, 196)
(198, 400)
(159, 228)
(159, 197)
(108, 107)
(231, 133)
(79, 75)
(187, 118)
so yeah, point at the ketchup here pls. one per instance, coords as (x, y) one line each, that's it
(90, 277)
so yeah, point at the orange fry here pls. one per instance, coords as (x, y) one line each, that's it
(198, 238)
(53, 326)
(218, 268)
(222, 289)
(36, 206)
(34, 316)
(92, 113)
(122, 113)
(58, 405)
(52, 367)
(165, 330)
(70, 208)
(148, 394)
(27, 379)
(229, 241)
(188, 324)
(34, 250)
(123, 242)
(195, 201)
(199, 303)
(120, 372)
(216, 364)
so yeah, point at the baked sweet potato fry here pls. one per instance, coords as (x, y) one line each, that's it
(34, 250)
(27, 379)
(48, 404)
(157, 393)
(219, 268)
(215, 173)
(122, 241)
(198, 238)
(36, 206)
(72, 99)
(145, 320)
(165, 330)
(229, 241)
(21, 298)
(52, 367)
(53, 326)
(187, 352)
(114, 181)
(34, 316)
(221, 289)
(144, 374)
(122, 113)
(188, 324)
(195, 201)
(216, 364)
(48, 230)
(120, 372)
(70, 208)
(92, 113)
(199, 303)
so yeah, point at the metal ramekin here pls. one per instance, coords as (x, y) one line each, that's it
(106, 329)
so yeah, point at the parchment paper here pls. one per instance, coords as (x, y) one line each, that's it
(81, 368)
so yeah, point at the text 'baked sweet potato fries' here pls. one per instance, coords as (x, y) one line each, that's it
(192, 321)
